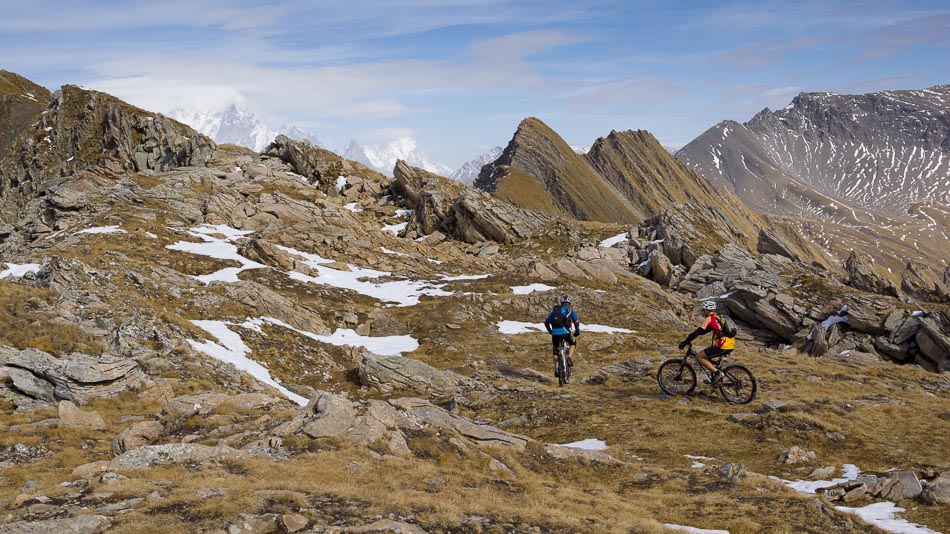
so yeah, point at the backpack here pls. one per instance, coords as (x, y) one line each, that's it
(727, 326)
(559, 320)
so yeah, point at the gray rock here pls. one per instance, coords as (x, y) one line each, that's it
(822, 473)
(77, 377)
(81, 524)
(397, 373)
(173, 453)
(938, 490)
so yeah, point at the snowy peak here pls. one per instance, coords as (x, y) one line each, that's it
(237, 124)
(469, 171)
(383, 158)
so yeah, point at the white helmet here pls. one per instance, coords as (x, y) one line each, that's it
(709, 305)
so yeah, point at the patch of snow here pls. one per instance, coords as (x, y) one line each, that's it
(217, 248)
(354, 207)
(883, 515)
(150, 234)
(524, 290)
(341, 182)
(233, 350)
(403, 213)
(848, 472)
(697, 465)
(693, 530)
(384, 346)
(917, 313)
(589, 444)
(14, 269)
(102, 230)
(691, 457)
(395, 228)
(517, 327)
(611, 241)
(392, 252)
(464, 277)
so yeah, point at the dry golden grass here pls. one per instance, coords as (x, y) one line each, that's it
(28, 319)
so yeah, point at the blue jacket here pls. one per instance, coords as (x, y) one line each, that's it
(566, 311)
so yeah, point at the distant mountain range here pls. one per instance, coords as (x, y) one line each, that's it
(469, 171)
(878, 152)
(383, 158)
(866, 174)
(237, 124)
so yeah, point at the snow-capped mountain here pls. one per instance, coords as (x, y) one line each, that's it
(383, 158)
(469, 171)
(880, 152)
(238, 125)
(580, 149)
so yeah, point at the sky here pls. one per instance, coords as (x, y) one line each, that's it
(459, 75)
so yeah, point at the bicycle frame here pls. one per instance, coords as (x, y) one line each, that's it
(716, 360)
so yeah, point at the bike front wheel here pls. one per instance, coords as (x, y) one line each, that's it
(676, 377)
(737, 385)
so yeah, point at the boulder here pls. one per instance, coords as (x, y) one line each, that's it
(137, 435)
(938, 489)
(933, 340)
(860, 274)
(71, 416)
(425, 413)
(383, 526)
(171, 453)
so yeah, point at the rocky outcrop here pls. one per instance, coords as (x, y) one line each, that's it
(921, 283)
(859, 274)
(449, 207)
(324, 169)
(35, 377)
(83, 128)
(397, 373)
(391, 423)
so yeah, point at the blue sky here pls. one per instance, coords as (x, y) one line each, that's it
(459, 75)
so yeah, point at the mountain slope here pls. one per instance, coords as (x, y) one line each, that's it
(20, 102)
(539, 170)
(878, 152)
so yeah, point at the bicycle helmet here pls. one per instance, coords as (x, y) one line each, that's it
(566, 299)
(709, 305)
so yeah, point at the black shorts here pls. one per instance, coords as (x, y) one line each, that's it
(556, 340)
(716, 352)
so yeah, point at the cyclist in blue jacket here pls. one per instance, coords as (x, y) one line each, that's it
(558, 324)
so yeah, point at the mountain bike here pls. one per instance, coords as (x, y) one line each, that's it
(563, 371)
(677, 377)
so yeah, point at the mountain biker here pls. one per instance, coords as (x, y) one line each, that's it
(721, 345)
(558, 324)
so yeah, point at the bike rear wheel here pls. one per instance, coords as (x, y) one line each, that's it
(676, 377)
(563, 369)
(737, 385)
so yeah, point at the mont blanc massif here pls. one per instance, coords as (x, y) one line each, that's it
(258, 335)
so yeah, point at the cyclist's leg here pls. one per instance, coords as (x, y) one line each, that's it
(571, 345)
(704, 360)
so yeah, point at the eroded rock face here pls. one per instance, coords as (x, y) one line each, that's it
(860, 275)
(81, 524)
(39, 377)
(449, 207)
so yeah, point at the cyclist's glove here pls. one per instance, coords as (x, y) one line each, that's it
(683, 345)
(577, 333)
(551, 332)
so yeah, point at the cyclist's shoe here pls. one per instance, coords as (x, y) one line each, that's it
(570, 362)
(556, 373)
(716, 378)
